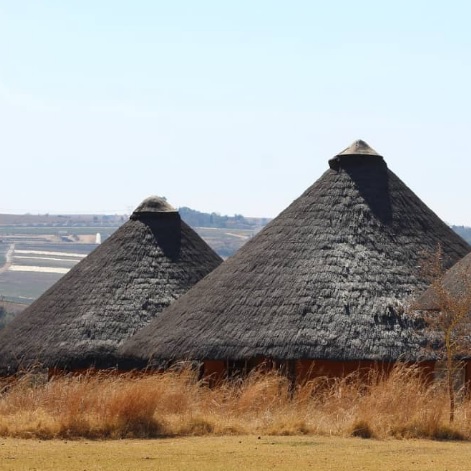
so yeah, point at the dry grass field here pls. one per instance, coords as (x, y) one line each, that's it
(235, 454)
(173, 421)
(177, 404)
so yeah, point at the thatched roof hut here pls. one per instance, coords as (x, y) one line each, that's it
(453, 285)
(327, 279)
(445, 307)
(121, 286)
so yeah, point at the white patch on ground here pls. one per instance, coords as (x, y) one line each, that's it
(47, 258)
(57, 254)
(240, 236)
(8, 259)
(39, 269)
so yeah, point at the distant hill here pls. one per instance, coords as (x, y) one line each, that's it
(464, 232)
(191, 216)
(57, 220)
(198, 219)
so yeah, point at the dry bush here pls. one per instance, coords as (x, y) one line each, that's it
(401, 404)
(89, 405)
(396, 402)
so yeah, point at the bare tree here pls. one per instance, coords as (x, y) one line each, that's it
(446, 309)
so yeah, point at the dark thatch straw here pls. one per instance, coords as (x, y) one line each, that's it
(326, 279)
(118, 288)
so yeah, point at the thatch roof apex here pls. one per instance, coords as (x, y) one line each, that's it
(359, 148)
(154, 204)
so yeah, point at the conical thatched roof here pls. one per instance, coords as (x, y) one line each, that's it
(79, 322)
(326, 279)
(456, 283)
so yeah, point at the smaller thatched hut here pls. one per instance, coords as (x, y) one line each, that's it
(121, 286)
(446, 308)
(455, 283)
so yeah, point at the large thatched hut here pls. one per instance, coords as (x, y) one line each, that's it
(121, 286)
(323, 285)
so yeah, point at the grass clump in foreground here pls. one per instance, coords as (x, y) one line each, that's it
(107, 405)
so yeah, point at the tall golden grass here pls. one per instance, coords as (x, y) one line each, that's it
(402, 404)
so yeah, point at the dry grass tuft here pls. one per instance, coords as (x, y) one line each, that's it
(402, 404)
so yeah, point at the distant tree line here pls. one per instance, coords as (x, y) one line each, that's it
(198, 219)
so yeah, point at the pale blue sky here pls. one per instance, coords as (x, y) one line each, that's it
(232, 107)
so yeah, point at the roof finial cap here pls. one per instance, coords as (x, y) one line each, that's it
(359, 147)
(154, 204)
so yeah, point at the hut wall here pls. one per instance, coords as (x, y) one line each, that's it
(428, 368)
(304, 370)
(308, 369)
(59, 372)
(467, 374)
(214, 370)
(54, 372)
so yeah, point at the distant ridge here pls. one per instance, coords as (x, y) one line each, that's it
(192, 217)
(463, 231)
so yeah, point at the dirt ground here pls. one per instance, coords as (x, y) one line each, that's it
(235, 453)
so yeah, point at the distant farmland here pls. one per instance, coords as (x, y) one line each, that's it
(34, 267)
(44, 249)
(47, 247)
